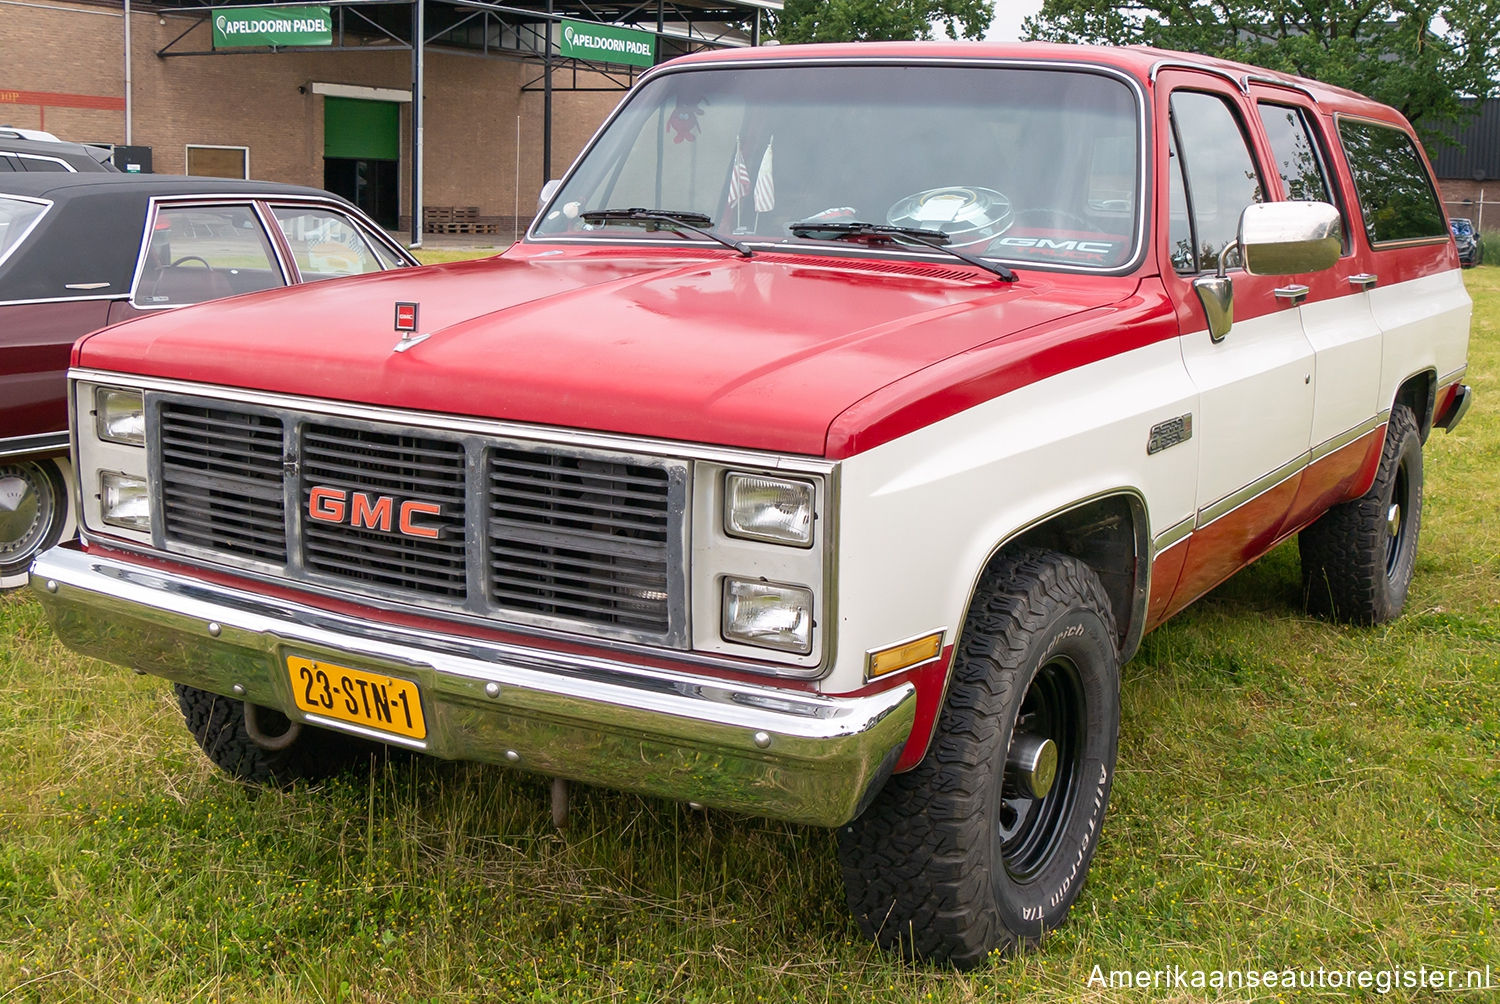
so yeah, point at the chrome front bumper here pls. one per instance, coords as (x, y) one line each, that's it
(780, 753)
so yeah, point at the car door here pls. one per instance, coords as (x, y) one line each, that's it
(1335, 314)
(1255, 383)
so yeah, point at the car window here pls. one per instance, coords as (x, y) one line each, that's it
(325, 244)
(45, 165)
(1299, 156)
(388, 258)
(1395, 193)
(199, 253)
(8, 163)
(16, 218)
(1218, 172)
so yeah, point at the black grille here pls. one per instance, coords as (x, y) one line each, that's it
(371, 480)
(578, 538)
(222, 481)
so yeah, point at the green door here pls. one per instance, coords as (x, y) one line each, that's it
(361, 155)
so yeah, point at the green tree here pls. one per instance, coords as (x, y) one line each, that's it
(879, 21)
(1417, 56)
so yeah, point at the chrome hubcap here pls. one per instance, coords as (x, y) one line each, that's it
(1393, 519)
(20, 510)
(1032, 765)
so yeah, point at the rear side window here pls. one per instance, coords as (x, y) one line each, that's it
(1395, 194)
(16, 220)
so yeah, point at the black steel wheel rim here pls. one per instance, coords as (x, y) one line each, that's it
(1031, 829)
(1398, 515)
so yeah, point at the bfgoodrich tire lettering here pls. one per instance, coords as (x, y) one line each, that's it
(951, 861)
(1357, 560)
(218, 724)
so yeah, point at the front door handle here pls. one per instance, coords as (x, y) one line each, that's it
(1293, 294)
(1365, 280)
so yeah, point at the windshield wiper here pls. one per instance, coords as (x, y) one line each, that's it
(674, 219)
(935, 239)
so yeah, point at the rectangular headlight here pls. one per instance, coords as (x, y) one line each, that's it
(124, 501)
(120, 416)
(768, 614)
(775, 510)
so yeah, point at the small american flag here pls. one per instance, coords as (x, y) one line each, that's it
(739, 176)
(765, 188)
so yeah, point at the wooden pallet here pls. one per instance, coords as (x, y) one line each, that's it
(455, 220)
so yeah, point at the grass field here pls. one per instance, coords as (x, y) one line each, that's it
(1290, 794)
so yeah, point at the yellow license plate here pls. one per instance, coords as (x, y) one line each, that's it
(373, 700)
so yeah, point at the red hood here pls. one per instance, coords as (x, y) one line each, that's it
(691, 345)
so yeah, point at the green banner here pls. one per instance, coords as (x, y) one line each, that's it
(607, 43)
(240, 27)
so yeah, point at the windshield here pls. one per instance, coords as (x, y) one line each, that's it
(1034, 166)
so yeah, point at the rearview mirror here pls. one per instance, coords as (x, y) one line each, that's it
(1288, 238)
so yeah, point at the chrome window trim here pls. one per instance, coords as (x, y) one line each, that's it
(1240, 82)
(257, 201)
(160, 202)
(1144, 158)
(1269, 81)
(46, 205)
(358, 226)
(67, 168)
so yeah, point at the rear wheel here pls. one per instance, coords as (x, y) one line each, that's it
(1358, 559)
(218, 724)
(985, 843)
(35, 511)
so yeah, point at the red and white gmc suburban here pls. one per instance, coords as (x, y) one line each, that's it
(844, 420)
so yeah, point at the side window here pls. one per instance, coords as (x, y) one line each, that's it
(1180, 231)
(1296, 153)
(201, 253)
(8, 163)
(1395, 193)
(45, 165)
(326, 244)
(1218, 171)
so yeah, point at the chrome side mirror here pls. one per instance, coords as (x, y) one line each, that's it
(1289, 238)
(548, 190)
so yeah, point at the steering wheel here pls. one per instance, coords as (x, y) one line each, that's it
(969, 215)
(189, 257)
(1059, 215)
(161, 272)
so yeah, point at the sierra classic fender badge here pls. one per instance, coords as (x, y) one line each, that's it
(406, 322)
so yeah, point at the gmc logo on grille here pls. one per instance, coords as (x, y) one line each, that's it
(371, 512)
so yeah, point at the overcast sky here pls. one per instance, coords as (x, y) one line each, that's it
(1008, 14)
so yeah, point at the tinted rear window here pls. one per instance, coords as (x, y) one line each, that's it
(1395, 194)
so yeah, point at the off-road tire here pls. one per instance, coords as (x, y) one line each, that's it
(926, 867)
(1354, 567)
(218, 724)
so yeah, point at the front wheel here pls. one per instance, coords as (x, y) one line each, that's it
(218, 725)
(1358, 558)
(985, 843)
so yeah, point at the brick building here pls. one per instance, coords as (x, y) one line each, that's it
(339, 115)
(1468, 169)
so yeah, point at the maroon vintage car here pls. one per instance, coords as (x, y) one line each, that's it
(79, 251)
